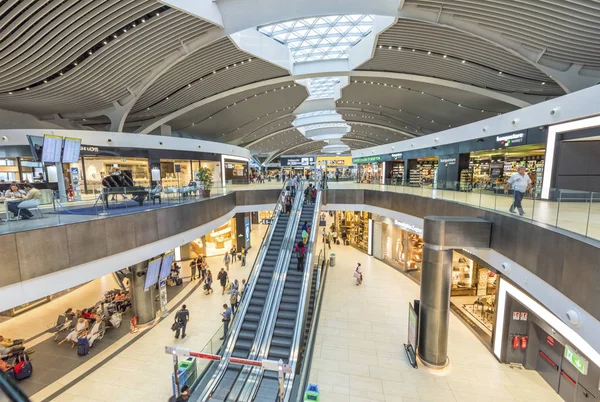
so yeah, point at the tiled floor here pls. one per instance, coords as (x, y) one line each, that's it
(142, 371)
(359, 354)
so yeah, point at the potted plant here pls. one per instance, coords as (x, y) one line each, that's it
(205, 176)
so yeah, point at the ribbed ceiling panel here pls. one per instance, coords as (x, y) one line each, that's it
(565, 31)
(106, 75)
(420, 47)
(193, 80)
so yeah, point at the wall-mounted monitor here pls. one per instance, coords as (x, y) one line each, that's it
(36, 144)
(52, 149)
(152, 273)
(71, 150)
(165, 268)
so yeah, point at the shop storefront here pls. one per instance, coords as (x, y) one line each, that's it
(395, 170)
(217, 242)
(473, 295)
(353, 228)
(236, 171)
(422, 171)
(399, 245)
(337, 167)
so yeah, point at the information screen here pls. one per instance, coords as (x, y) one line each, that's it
(71, 150)
(165, 268)
(152, 273)
(52, 148)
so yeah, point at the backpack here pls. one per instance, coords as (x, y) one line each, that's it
(299, 253)
(233, 298)
(304, 234)
(83, 346)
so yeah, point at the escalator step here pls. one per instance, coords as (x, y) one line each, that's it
(289, 299)
(244, 344)
(252, 317)
(279, 352)
(242, 354)
(288, 307)
(290, 315)
(283, 332)
(285, 323)
(255, 309)
(284, 342)
(250, 325)
(246, 334)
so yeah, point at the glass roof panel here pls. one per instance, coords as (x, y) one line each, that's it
(326, 38)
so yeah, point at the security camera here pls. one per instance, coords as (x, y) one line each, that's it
(412, 145)
(392, 148)
(199, 146)
(109, 140)
(485, 129)
(160, 143)
(506, 266)
(437, 139)
(573, 317)
(4, 138)
(515, 121)
(555, 111)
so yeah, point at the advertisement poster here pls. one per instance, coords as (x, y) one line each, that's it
(247, 231)
(162, 286)
(76, 183)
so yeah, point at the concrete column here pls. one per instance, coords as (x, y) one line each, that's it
(441, 235)
(144, 305)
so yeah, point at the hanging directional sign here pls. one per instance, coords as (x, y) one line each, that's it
(579, 362)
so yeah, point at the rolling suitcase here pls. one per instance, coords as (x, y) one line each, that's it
(83, 346)
(23, 368)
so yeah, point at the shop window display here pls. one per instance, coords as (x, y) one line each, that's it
(401, 248)
(473, 292)
(217, 242)
(353, 227)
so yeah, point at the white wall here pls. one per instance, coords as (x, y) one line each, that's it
(129, 140)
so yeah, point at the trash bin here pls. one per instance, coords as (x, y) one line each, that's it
(187, 372)
(332, 260)
(312, 393)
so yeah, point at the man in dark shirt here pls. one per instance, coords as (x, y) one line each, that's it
(182, 317)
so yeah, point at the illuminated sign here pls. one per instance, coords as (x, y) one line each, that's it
(509, 140)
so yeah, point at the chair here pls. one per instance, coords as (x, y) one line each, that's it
(154, 195)
(31, 205)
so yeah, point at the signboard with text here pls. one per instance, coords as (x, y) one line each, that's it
(299, 161)
(511, 140)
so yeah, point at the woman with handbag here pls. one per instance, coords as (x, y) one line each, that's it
(358, 275)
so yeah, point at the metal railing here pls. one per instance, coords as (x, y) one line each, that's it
(571, 210)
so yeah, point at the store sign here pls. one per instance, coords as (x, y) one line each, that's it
(397, 156)
(509, 140)
(448, 161)
(91, 150)
(408, 227)
(162, 287)
(247, 231)
(579, 362)
(368, 159)
(229, 166)
(307, 161)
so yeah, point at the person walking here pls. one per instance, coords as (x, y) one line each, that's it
(358, 275)
(226, 261)
(234, 300)
(226, 314)
(521, 184)
(208, 283)
(304, 236)
(334, 236)
(182, 317)
(244, 255)
(293, 184)
(324, 234)
(288, 204)
(233, 253)
(243, 286)
(300, 251)
(222, 277)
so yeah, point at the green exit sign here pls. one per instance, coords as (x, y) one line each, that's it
(579, 362)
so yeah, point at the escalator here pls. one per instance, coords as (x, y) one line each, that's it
(310, 309)
(250, 324)
(280, 347)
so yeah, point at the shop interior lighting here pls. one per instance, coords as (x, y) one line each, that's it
(320, 38)
(88, 52)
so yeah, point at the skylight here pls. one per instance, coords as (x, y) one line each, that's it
(317, 113)
(321, 38)
(324, 87)
(325, 125)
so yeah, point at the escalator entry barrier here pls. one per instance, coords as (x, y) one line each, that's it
(312, 393)
(332, 260)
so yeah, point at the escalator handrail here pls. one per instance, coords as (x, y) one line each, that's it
(251, 392)
(243, 307)
(304, 298)
(262, 339)
(310, 344)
